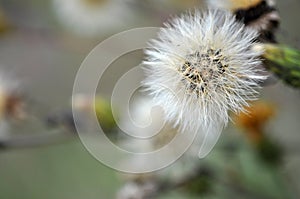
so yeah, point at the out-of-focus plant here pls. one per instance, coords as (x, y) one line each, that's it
(102, 109)
(253, 123)
(283, 61)
(4, 22)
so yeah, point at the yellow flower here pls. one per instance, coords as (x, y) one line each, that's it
(254, 119)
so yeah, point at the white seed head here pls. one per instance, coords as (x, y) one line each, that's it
(200, 67)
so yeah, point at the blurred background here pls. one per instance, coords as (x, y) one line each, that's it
(43, 43)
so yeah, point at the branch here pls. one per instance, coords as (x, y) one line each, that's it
(36, 140)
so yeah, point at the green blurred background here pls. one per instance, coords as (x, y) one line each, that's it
(45, 56)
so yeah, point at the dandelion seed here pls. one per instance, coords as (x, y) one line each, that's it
(200, 67)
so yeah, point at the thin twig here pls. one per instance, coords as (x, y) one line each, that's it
(35, 140)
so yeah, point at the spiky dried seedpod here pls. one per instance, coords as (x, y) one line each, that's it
(260, 15)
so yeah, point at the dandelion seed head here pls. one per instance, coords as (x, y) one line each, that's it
(200, 67)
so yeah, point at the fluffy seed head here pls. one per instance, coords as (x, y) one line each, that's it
(200, 66)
